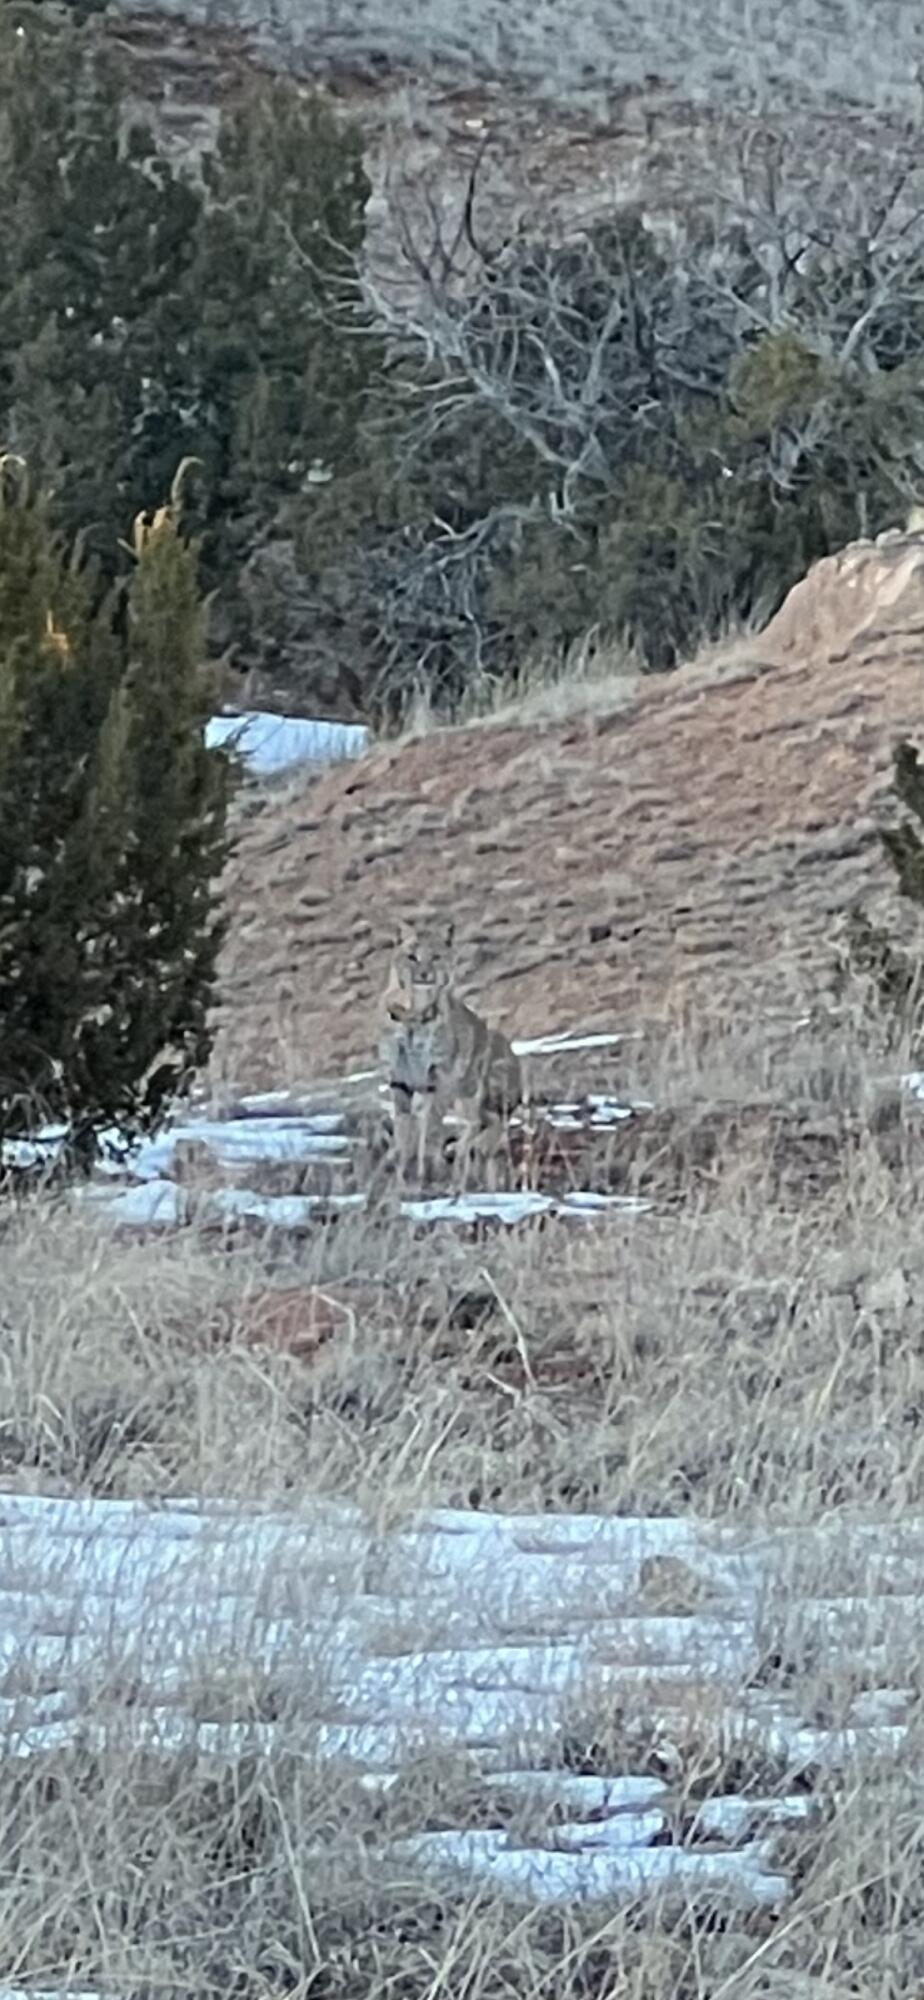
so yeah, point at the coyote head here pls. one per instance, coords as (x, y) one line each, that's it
(421, 971)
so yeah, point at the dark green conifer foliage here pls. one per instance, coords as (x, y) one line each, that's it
(112, 829)
(149, 312)
(97, 240)
(280, 378)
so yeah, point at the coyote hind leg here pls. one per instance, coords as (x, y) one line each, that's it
(465, 1135)
(489, 1141)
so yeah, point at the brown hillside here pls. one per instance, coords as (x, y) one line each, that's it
(602, 871)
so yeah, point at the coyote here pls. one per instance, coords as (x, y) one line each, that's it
(438, 1050)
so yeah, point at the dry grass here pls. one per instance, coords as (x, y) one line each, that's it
(740, 1358)
(598, 676)
(802, 48)
(730, 1352)
(139, 1874)
(808, 1051)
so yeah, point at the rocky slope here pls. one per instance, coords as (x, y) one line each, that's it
(696, 849)
(571, 111)
(815, 50)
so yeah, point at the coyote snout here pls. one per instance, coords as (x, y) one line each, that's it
(438, 1053)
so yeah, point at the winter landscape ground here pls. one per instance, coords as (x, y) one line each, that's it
(513, 1596)
(519, 1594)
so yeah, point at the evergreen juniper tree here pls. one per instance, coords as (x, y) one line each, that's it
(112, 828)
(150, 310)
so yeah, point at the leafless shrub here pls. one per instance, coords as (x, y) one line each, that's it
(650, 425)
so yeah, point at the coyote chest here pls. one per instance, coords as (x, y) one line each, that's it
(415, 1053)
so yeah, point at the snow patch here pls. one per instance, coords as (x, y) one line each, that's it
(156, 1204)
(587, 1794)
(271, 743)
(515, 1619)
(595, 1112)
(278, 1211)
(41, 1149)
(160, 1203)
(287, 1105)
(290, 1141)
(544, 1876)
(732, 1816)
(552, 1045)
(52, 1993)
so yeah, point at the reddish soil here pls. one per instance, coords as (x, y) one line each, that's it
(697, 849)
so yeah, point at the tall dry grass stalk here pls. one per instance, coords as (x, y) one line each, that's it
(735, 1350)
(747, 1358)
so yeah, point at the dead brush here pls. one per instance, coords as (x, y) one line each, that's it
(746, 1359)
(256, 1880)
(747, 1351)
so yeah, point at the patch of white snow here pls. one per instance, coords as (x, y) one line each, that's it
(619, 1874)
(290, 1141)
(553, 1045)
(271, 743)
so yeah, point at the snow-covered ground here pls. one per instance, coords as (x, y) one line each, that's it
(505, 1641)
(490, 1635)
(162, 1204)
(298, 1130)
(272, 743)
(286, 1141)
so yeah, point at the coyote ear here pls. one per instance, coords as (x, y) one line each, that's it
(406, 932)
(449, 936)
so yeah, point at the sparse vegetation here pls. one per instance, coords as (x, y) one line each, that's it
(642, 432)
(265, 1877)
(808, 57)
(748, 1361)
(668, 1373)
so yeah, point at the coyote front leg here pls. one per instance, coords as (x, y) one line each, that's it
(424, 1114)
(466, 1127)
(491, 1142)
(403, 1122)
